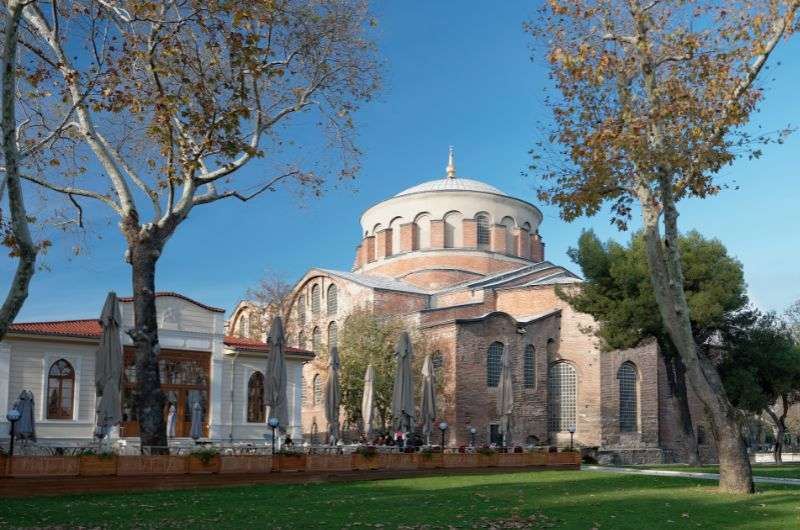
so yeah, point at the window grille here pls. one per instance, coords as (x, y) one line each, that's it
(301, 310)
(493, 366)
(333, 335)
(333, 303)
(484, 234)
(316, 340)
(315, 300)
(316, 390)
(562, 394)
(529, 367)
(628, 406)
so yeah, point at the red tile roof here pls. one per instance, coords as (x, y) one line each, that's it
(177, 295)
(65, 328)
(245, 344)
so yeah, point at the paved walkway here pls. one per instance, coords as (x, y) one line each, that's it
(686, 474)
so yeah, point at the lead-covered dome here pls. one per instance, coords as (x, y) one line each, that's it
(452, 184)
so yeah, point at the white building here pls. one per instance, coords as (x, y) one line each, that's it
(55, 360)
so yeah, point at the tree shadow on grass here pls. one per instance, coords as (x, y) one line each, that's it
(568, 499)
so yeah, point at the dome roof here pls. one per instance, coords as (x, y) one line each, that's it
(452, 184)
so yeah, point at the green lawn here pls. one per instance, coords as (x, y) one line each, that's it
(557, 499)
(761, 470)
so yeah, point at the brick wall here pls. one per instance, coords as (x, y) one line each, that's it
(369, 246)
(438, 279)
(437, 233)
(383, 244)
(537, 248)
(470, 233)
(499, 240)
(407, 243)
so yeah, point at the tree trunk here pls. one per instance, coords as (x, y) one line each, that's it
(677, 380)
(667, 277)
(24, 247)
(150, 399)
(780, 428)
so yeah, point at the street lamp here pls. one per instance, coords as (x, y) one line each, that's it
(13, 417)
(472, 432)
(443, 427)
(571, 436)
(273, 422)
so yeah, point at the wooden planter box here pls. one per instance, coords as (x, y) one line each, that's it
(536, 459)
(511, 460)
(398, 461)
(564, 459)
(460, 460)
(429, 461)
(296, 462)
(3, 464)
(43, 466)
(328, 463)
(198, 467)
(152, 465)
(490, 460)
(245, 464)
(365, 463)
(97, 466)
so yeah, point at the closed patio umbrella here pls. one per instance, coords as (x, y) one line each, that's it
(505, 398)
(403, 394)
(26, 426)
(108, 369)
(427, 408)
(275, 384)
(197, 421)
(333, 394)
(368, 402)
(172, 420)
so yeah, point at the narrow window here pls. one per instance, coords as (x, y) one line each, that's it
(60, 390)
(484, 234)
(529, 367)
(301, 310)
(316, 390)
(316, 340)
(628, 402)
(255, 326)
(315, 301)
(493, 358)
(437, 360)
(562, 397)
(256, 409)
(333, 303)
(301, 340)
(333, 335)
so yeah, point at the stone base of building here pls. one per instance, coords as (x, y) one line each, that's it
(626, 456)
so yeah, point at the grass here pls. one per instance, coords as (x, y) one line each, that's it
(552, 499)
(759, 470)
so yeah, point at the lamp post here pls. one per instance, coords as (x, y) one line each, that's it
(13, 417)
(571, 436)
(273, 422)
(443, 427)
(472, 432)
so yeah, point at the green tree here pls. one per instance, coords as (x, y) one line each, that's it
(618, 293)
(367, 339)
(761, 371)
(653, 97)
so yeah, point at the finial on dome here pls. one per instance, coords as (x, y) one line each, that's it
(451, 163)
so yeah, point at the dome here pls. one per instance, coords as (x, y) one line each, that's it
(452, 184)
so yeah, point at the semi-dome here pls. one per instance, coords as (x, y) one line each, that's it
(452, 184)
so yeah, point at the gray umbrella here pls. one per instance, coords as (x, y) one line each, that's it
(108, 369)
(505, 398)
(275, 387)
(172, 419)
(197, 421)
(26, 426)
(428, 405)
(403, 394)
(333, 393)
(368, 402)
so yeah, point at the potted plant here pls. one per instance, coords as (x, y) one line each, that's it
(97, 464)
(205, 460)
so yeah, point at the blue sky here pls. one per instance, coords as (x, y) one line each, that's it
(457, 74)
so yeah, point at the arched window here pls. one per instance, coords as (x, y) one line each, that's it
(453, 230)
(333, 335)
(303, 393)
(422, 231)
(301, 310)
(493, 366)
(628, 399)
(316, 390)
(301, 340)
(529, 367)
(508, 223)
(315, 301)
(562, 396)
(484, 231)
(254, 325)
(256, 409)
(333, 302)
(240, 324)
(316, 340)
(437, 360)
(60, 390)
(395, 227)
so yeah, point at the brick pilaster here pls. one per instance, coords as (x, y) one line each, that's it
(470, 233)
(437, 233)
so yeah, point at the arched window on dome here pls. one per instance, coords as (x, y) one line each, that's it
(395, 226)
(628, 398)
(453, 231)
(484, 230)
(315, 299)
(333, 300)
(508, 223)
(256, 408)
(493, 364)
(562, 394)
(422, 231)
(375, 229)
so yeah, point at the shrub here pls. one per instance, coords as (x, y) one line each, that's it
(205, 455)
(486, 450)
(367, 451)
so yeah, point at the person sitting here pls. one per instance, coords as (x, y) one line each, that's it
(287, 442)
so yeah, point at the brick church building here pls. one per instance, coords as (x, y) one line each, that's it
(464, 263)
